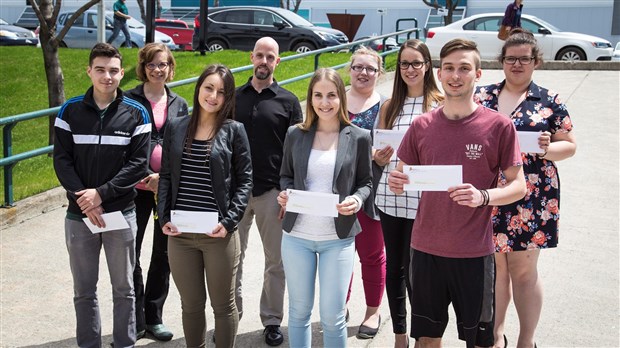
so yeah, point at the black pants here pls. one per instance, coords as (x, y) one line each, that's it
(150, 303)
(397, 238)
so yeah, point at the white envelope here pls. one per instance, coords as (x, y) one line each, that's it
(312, 203)
(529, 142)
(384, 137)
(433, 178)
(194, 221)
(113, 221)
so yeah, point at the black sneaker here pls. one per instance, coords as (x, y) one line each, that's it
(273, 335)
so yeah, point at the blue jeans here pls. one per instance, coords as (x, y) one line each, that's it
(118, 26)
(84, 248)
(334, 261)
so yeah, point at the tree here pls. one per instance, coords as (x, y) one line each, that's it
(47, 13)
(450, 5)
(143, 10)
(287, 4)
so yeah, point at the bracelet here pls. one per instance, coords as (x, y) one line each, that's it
(485, 198)
(542, 156)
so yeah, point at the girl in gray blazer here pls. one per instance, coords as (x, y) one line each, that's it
(327, 154)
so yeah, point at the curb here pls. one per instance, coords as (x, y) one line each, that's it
(32, 207)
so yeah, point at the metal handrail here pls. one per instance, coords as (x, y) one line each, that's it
(9, 160)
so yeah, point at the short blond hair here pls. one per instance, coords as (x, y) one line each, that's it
(367, 51)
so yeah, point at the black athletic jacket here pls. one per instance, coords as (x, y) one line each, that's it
(103, 149)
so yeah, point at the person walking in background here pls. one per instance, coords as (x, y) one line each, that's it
(121, 15)
(512, 15)
(414, 93)
(155, 67)
(451, 245)
(266, 111)
(324, 154)
(206, 167)
(101, 152)
(363, 104)
(523, 228)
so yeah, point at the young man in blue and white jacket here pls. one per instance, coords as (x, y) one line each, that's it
(100, 152)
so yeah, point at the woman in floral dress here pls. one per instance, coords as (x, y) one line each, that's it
(525, 227)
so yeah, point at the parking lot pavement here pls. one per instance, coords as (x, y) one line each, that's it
(580, 277)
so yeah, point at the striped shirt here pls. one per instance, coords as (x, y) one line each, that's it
(195, 188)
(404, 205)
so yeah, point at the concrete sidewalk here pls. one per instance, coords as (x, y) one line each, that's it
(580, 277)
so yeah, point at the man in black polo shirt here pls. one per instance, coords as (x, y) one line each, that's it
(266, 110)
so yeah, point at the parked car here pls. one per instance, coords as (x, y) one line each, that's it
(178, 30)
(238, 27)
(377, 44)
(83, 32)
(12, 35)
(555, 44)
(616, 55)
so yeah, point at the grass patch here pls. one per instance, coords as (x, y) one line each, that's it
(24, 89)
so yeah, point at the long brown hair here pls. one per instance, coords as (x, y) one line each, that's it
(332, 76)
(431, 92)
(227, 112)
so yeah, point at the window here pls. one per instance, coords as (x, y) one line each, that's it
(265, 18)
(171, 24)
(484, 24)
(529, 25)
(232, 16)
(79, 22)
(92, 20)
(218, 17)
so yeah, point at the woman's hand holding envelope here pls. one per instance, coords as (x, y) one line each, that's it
(382, 157)
(219, 231)
(170, 229)
(348, 206)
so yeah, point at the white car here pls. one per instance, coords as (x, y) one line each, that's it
(83, 32)
(616, 55)
(554, 43)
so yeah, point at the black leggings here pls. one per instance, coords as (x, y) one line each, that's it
(397, 237)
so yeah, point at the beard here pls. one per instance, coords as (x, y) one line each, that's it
(262, 74)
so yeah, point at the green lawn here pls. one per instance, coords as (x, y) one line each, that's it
(24, 89)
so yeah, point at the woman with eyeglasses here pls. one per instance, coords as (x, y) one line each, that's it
(523, 228)
(415, 92)
(155, 67)
(363, 105)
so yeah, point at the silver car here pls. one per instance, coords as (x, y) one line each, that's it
(554, 43)
(83, 32)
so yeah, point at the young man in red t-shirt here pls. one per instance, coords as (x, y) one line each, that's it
(452, 250)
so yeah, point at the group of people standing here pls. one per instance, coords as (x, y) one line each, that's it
(242, 150)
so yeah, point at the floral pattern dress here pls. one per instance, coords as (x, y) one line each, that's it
(532, 222)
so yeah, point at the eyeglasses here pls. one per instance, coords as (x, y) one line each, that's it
(369, 70)
(522, 60)
(415, 65)
(161, 66)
